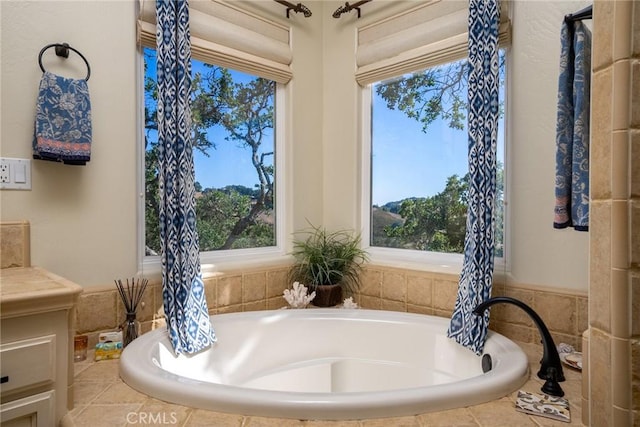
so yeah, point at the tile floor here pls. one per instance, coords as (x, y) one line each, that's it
(102, 399)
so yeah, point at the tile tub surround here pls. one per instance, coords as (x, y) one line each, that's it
(103, 400)
(15, 244)
(612, 392)
(383, 288)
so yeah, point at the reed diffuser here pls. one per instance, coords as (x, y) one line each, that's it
(131, 294)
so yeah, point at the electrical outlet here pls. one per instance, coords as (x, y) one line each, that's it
(15, 174)
(5, 172)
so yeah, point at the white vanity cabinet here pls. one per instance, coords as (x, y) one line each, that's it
(36, 355)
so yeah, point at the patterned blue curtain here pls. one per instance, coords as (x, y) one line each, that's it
(185, 305)
(476, 278)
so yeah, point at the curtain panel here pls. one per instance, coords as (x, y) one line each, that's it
(476, 278)
(184, 300)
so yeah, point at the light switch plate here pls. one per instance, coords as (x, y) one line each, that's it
(15, 174)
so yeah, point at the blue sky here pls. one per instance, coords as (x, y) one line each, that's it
(228, 163)
(406, 162)
(409, 163)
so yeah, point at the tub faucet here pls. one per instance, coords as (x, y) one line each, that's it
(550, 366)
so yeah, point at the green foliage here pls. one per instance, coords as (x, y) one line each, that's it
(430, 94)
(436, 223)
(381, 218)
(233, 216)
(328, 258)
(437, 92)
(217, 213)
(151, 204)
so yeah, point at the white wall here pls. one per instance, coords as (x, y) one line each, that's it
(540, 255)
(84, 219)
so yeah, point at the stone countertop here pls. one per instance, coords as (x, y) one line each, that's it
(28, 290)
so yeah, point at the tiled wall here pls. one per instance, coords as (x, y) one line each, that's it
(15, 244)
(611, 391)
(382, 288)
(564, 313)
(100, 308)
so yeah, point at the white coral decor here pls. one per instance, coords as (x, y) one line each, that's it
(349, 303)
(297, 297)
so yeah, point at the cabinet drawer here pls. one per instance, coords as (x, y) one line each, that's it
(27, 362)
(37, 410)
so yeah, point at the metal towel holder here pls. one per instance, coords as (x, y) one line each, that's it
(62, 50)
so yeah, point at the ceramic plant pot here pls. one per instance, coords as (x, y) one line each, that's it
(327, 295)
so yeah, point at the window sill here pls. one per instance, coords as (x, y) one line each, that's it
(213, 264)
(432, 262)
(416, 260)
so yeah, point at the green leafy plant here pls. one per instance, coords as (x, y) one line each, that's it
(328, 258)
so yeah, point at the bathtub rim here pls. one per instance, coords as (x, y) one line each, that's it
(321, 406)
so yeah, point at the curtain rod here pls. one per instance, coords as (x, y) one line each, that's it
(349, 7)
(295, 7)
(586, 13)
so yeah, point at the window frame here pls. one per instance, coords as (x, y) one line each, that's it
(412, 258)
(213, 261)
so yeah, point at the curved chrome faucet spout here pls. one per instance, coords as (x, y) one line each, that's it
(550, 366)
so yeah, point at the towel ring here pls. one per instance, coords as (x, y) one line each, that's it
(62, 49)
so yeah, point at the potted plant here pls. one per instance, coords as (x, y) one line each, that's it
(328, 262)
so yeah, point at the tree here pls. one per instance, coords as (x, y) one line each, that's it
(429, 94)
(437, 92)
(217, 214)
(229, 217)
(437, 223)
(248, 114)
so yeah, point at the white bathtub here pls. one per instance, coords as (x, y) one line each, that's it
(325, 364)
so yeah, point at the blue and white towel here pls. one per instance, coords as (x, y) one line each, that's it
(572, 128)
(63, 120)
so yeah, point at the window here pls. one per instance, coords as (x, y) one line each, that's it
(235, 157)
(419, 161)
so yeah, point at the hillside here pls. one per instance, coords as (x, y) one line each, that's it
(381, 218)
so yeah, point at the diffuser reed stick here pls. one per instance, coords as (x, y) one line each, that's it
(131, 295)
